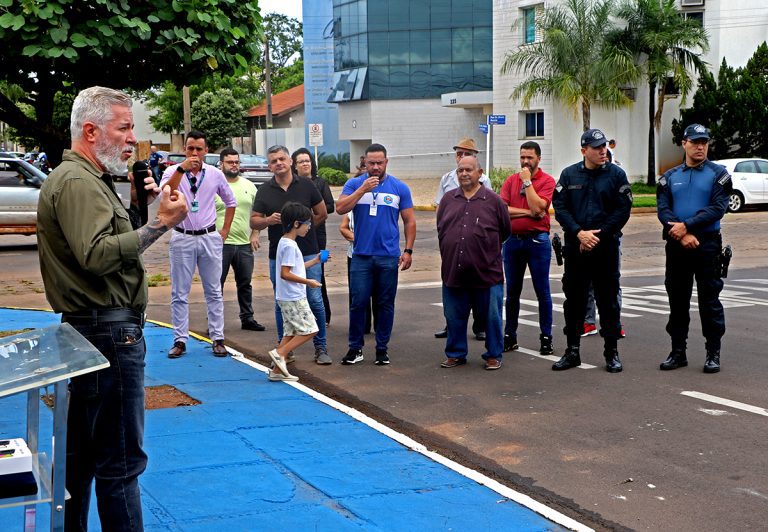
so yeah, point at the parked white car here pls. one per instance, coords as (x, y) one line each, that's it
(750, 182)
(19, 189)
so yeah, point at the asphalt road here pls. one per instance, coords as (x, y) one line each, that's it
(642, 449)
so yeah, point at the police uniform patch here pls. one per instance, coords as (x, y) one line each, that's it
(559, 187)
(663, 181)
(626, 189)
(724, 178)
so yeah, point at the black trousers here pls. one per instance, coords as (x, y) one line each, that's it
(240, 258)
(599, 267)
(703, 264)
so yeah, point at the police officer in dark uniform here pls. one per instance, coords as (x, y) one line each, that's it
(691, 200)
(592, 203)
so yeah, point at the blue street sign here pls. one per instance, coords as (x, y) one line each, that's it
(498, 120)
(483, 128)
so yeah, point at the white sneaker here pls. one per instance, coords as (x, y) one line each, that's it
(275, 376)
(279, 362)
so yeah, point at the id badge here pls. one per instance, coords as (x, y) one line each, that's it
(195, 206)
(372, 210)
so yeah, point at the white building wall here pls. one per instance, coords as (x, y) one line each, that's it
(143, 129)
(735, 29)
(419, 134)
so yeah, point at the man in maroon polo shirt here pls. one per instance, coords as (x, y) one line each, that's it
(472, 224)
(528, 195)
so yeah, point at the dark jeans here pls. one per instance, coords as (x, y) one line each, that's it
(599, 267)
(240, 257)
(487, 302)
(683, 265)
(535, 253)
(370, 308)
(324, 292)
(372, 276)
(105, 431)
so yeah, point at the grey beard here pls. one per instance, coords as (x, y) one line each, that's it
(111, 158)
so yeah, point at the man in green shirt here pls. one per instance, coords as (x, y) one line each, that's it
(241, 241)
(90, 260)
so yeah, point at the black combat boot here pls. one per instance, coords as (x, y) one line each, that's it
(569, 360)
(612, 362)
(712, 365)
(676, 359)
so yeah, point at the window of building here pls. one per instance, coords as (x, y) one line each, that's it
(529, 25)
(533, 123)
(698, 16)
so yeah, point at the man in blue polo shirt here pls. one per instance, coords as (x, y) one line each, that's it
(691, 199)
(377, 199)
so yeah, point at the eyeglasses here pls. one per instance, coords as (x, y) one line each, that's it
(308, 223)
(193, 184)
(465, 154)
(303, 162)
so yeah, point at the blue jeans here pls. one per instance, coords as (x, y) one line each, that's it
(535, 253)
(105, 431)
(487, 302)
(375, 276)
(314, 297)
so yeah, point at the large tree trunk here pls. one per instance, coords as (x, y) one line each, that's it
(586, 114)
(651, 181)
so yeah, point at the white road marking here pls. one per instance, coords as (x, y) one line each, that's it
(727, 402)
(714, 412)
(553, 358)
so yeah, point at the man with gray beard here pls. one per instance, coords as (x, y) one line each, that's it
(90, 260)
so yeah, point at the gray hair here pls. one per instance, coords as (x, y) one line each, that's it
(95, 105)
(277, 148)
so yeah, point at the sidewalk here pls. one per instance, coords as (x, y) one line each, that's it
(257, 455)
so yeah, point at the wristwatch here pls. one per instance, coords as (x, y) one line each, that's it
(408, 250)
(526, 184)
(180, 170)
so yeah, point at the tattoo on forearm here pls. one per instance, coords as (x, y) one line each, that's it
(149, 233)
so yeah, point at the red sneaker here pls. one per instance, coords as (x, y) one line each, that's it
(589, 329)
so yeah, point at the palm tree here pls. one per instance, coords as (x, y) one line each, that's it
(665, 45)
(573, 62)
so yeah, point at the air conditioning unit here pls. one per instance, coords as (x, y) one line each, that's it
(692, 3)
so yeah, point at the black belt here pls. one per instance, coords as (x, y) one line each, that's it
(523, 236)
(104, 315)
(196, 232)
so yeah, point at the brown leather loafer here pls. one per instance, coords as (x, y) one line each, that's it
(453, 362)
(178, 349)
(218, 348)
(492, 363)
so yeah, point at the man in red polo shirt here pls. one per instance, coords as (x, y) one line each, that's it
(528, 195)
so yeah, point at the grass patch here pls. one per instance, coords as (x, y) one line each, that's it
(158, 279)
(642, 188)
(645, 201)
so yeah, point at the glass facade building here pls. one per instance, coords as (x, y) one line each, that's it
(409, 49)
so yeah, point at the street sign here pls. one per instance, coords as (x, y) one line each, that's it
(497, 120)
(315, 134)
(483, 128)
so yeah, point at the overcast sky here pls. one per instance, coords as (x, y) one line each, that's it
(292, 8)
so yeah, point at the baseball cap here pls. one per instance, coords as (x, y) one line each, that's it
(696, 131)
(593, 138)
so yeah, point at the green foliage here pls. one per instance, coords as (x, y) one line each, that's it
(573, 62)
(219, 116)
(643, 188)
(333, 176)
(288, 77)
(340, 161)
(644, 201)
(63, 46)
(734, 107)
(498, 176)
(665, 45)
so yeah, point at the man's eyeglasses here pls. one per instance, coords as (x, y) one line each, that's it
(465, 154)
(193, 184)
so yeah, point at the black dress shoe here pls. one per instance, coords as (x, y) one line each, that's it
(676, 359)
(442, 333)
(712, 365)
(480, 337)
(612, 362)
(252, 325)
(510, 343)
(569, 360)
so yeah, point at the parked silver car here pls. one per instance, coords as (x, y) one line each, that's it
(20, 184)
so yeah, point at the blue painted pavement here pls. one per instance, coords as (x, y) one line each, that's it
(258, 455)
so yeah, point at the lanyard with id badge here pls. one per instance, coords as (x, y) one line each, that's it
(194, 186)
(372, 209)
